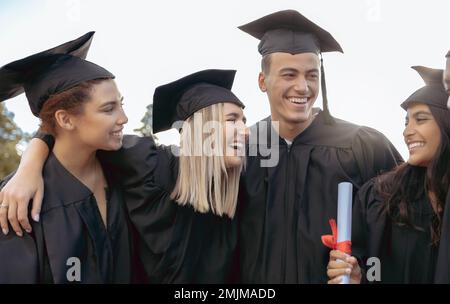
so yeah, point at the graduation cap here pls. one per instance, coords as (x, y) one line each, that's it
(290, 32)
(50, 72)
(178, 100)
(433, 93)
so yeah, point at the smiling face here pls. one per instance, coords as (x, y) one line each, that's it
(101, 122)
(235, 135)
(292, 85)
(422, 135)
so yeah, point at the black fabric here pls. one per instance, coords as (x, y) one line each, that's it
(47, 138)
(178, 100)
(50, 72)
(284, 210)
(406, 254)
(433, 93)
(177, 244)
(443, 261)
(289, 31)
(70, 226)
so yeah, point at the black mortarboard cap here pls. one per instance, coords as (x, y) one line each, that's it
(433, 93)
(290, 32)
(178, 100)
(50, 72)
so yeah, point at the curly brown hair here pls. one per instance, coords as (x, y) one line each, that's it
(71, 100)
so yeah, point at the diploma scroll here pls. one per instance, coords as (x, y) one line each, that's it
(344, 220)
(341, 236)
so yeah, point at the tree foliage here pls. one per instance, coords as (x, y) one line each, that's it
(147, 122)
(10, 137)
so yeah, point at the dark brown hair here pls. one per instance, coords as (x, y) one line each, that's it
(71, 100)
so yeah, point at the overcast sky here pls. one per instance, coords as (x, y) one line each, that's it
(149, 43)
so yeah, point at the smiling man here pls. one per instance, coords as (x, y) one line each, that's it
(285, 208)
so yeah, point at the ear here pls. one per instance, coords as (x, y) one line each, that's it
(64, 120)
(262, 82)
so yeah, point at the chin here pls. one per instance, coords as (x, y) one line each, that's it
(303, 119)
(417, 162)
(116, 147)
(112, 147)
(233, 162)
(299, 118)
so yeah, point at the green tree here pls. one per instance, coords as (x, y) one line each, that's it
(10, 136)
(147, 123)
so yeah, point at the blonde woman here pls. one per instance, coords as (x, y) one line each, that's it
(182, 201)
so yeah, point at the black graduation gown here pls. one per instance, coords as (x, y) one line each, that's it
(177, 244)
(70, 226)
(406, 254)
(285, 209)
(443, 261)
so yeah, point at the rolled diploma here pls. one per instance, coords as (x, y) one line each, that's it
(344, 220)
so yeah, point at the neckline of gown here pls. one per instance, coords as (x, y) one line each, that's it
(77, 190)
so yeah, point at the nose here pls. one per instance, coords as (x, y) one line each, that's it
(122, 119)
(243, 131)
(301, 85)
(246, 133)
(408, 131)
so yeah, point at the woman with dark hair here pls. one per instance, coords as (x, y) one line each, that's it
(398, 216)
(82, 234)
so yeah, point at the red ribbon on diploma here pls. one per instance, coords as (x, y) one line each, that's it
(331, 240)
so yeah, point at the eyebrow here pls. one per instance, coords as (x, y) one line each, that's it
(236, 115)
(284, 70)
(419, 113)
(112, 102)
(313, 70)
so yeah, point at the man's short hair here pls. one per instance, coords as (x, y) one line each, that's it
(265, 64)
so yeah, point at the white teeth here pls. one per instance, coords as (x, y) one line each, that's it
(298, 100)
(415, 145)
(238, 146)
(117, 134)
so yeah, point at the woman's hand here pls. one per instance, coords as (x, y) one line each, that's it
(26, 184)
(17, 193)
(341, 264)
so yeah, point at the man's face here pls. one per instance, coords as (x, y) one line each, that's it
(292, 85)
(447, 80)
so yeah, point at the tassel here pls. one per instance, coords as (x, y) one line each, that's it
(329, 120)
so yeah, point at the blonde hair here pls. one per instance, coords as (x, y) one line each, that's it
(203, 180)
